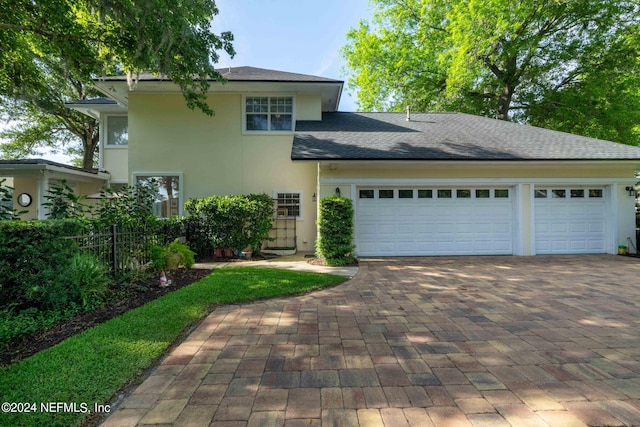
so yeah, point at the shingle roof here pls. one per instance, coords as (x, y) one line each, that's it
(244, 74)
(442, 136)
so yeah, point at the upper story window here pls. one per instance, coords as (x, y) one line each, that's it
(269, 113)
(117, 131)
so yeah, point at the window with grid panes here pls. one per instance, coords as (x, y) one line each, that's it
(267, 113)
(288, 205)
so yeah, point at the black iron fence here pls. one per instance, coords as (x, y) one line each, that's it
(125, 248)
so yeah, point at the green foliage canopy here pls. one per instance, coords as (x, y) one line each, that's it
(88, 37)
(534, 61)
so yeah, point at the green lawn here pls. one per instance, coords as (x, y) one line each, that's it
(90, 367)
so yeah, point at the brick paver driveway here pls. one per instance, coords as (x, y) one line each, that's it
(466, 341)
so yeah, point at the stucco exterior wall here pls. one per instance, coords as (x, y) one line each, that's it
(29, 185)
(213, 155)
(308, 107)
(613, 176)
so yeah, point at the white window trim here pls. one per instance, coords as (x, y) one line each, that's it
(301, 193)
(180, 175)
(268, 95)
(105, 131)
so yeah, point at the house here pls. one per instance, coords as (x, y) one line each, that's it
(31, 180)
(421, 183)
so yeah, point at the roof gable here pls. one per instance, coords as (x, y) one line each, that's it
(442, 136)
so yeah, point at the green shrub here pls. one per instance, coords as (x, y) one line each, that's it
(34, 257)
(86, 281)
(335, 226)
(233, 222)
(172, 256)
(129, 205)
(63, 203)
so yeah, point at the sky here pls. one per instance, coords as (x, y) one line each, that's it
(298, 36)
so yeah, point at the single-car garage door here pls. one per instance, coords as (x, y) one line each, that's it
(434, 221)
(569, 220)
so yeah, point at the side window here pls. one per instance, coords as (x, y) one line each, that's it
(117, 131)
(167, 202)
(268, 114)
(288, 205)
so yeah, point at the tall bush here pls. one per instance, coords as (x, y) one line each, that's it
(335, 225)
(233, 222)
(34, 259)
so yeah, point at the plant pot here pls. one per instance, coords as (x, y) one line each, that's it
(217, 252)
(228, 253)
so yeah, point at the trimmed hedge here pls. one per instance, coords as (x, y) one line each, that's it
(335, 226)
(233, 222)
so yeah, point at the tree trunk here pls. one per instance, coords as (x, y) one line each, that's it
(90, 143)
(504, 102)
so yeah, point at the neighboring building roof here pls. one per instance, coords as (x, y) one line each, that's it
(442, 136)
(93, 107)
(8, 164)
(242, 74)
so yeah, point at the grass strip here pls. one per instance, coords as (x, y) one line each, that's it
(90, 367)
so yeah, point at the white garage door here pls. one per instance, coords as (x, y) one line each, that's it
(569, 220)
(434, 221)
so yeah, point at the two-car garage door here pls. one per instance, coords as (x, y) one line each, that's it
(434, 221)
(476, 221)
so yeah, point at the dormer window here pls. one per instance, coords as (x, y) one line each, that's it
(269, 113)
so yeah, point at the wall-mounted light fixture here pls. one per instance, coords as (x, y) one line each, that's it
(338, 191)
(631, 190)
(314, 197)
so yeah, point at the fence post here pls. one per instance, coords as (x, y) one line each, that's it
(114, 246)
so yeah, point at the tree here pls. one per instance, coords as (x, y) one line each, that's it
(497, 58)
(88, 39)
(170, 37)
(40, 119)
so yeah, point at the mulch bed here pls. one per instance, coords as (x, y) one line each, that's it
(144, 292)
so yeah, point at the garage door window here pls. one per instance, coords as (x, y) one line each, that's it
(444, 194)
(463, 194)
(405, 194)
(483, 194)
(385, 194)
(568, 193)
(366, 194)
(502, 193)
(425, 194)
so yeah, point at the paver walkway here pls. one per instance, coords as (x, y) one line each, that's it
(466, 341)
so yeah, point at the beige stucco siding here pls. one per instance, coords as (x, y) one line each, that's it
(213, 155)
(308, 107)
(29, 185)
(464, 170)
(116, 160)
(614, 176)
